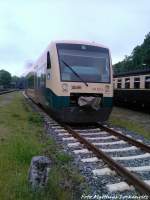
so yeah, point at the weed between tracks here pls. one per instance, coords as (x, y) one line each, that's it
(22, 137)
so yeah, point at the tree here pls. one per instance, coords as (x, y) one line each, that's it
(146, 56)
(5, 78)
(14, 78)
(15, 81)
(139, 58)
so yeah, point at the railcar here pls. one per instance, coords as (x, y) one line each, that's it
(73, 81)
(132, 89)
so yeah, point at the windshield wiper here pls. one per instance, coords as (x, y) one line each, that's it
(74, 72)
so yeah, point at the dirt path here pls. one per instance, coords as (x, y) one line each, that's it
(5, 99)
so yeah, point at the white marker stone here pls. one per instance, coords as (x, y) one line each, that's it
(129, 136)
(122, 186)
(104, 171)
(97, 133)
(109, 143)
(140, 141)
(84, 151)
(120, 149)
(147, 182)
(146, 155)
(119, 132)
(60, 130)
(68, 138)
(56, 127)
(85, 130)
(93, 159)
(63, 134)
(138, 169)
(101, 138)
(75, 144)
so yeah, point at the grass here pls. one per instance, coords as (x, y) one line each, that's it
(129, 123)
(22, 137)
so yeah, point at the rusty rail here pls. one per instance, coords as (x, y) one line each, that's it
(7, 91)
(132, 141)
(129, 177)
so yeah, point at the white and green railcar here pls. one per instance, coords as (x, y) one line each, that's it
(73, 80)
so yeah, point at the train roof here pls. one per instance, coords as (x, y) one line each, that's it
(66, 42)
(133, 73)
(79, 42)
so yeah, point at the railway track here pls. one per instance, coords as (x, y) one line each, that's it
(100, 144)
(6, 91)
(113, 165)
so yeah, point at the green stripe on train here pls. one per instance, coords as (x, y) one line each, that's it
(107, 102)
(58, 102)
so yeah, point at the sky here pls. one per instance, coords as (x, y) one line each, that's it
(27, 27)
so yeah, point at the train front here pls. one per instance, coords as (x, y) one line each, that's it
(85, 83)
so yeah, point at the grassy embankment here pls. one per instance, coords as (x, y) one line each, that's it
(132, 120)
(22, 137)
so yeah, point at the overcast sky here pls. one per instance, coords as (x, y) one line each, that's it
(26, 27)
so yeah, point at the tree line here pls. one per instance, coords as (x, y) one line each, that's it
(138, 60)
(9, 81)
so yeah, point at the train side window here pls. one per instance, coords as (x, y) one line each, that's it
(48, 60)
(119, 83)
(127, 83)
(114, 83)
(147, 82)
(137, 82)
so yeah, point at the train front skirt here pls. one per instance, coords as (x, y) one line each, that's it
(78, 115)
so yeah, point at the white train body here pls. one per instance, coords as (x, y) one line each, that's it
(71, 78)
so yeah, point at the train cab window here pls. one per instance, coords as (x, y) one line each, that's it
(127, 83)
(48, 60)
(137, 82)
(86, 62)
(147, 82)
(119, 83)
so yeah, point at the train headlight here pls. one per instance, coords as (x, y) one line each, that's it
(64, 87)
